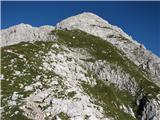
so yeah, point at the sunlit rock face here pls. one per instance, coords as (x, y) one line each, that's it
(24, 33)
(82, 69)
(92, 24)
(97, 26)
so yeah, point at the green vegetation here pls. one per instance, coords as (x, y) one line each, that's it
(106, 27)
(119, 37)
(110, 98)
(63, 116)
(86, 117)
(27, 66)
(103, 50)
(12, 115)
(71, 94)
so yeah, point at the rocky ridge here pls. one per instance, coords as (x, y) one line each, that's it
(25, 32)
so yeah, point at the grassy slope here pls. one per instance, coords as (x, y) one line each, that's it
(103, 50)
(31, 66)
(100, 49)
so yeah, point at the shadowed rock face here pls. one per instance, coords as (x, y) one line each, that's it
(141, 107)
(84, 68)
(147, 109)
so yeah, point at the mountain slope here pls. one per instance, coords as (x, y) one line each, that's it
(72, 74)
(93, 24)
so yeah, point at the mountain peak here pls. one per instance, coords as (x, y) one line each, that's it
(87, 14)
(23, 25)
(90, 16)
(92, 24)
(85, 18)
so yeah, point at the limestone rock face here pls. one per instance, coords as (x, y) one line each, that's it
(91, 24)
(24, 33)
(150, 111)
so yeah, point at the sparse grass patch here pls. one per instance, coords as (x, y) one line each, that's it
(26, 58)
(86, 117)
(71, 94)
(96, 47)
(63, 116)
(110, 98)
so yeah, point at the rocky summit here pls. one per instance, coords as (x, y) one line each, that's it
(81, 69)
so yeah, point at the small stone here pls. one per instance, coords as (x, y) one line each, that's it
(28, 88)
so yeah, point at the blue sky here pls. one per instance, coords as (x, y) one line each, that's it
(141, 20)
